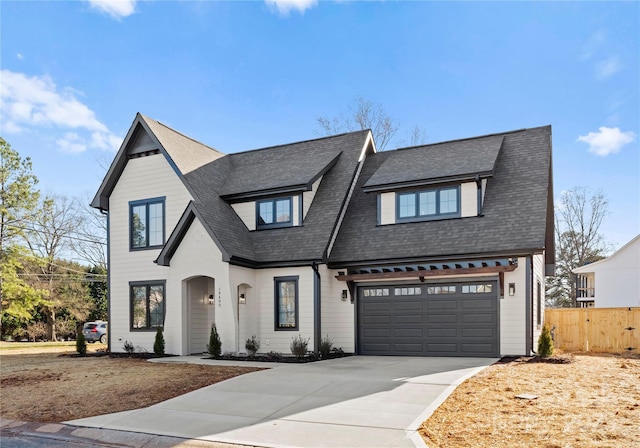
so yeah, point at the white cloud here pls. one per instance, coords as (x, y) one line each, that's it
(608, 67)
(284, 7)
(19, 56)
(31, 102)
(115, 8)
(72, 143)
(607, 140)
(593, 44)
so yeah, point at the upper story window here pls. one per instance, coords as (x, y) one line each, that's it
(146, 223)
(274, 213)
(428, 204)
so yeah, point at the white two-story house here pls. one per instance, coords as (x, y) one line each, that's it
(434, 250)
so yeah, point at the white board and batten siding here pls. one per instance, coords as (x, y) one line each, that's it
(143, 178)
(538, 282)
(513, 323)
(280, 340)
(307, 197)
(337, 315)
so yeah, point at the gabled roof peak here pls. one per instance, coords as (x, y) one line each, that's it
(283, 145)
(147, 119)
(478, 137)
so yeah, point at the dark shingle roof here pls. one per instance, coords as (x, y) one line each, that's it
(437, 162)
(284, 168)
(514, 212)
(305, 243)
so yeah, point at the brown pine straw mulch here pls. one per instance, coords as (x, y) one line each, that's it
(582, 401)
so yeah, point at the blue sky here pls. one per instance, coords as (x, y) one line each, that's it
(243, 75)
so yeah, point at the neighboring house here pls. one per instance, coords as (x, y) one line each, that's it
(611, 282)
(435, 250)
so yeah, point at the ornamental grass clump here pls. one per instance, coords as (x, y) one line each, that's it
(299, 346)
(252, 345)
(325, 347)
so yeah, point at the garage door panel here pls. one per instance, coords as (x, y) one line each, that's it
(408, 332)
(442, 332)
(435, 305)
(377, 332)
(441, 317)
(372, 307)
(407, 348)
(373, 319)
(408, 319)
(377, 347)
(408, 306)
(429, 324)
(442, 348)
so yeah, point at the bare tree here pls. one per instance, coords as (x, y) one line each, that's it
(362, 114)
(50, 236)
(89, 241)
(579, 216)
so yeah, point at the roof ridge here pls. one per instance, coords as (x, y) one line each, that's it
(495, 134)
(298, 142)
(181, 134)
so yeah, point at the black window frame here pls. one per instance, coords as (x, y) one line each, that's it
(273, 202)
(438, 215)
(276, 301)
(147, 284)
(147, 203)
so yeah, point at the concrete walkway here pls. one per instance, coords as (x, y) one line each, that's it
(359, 401)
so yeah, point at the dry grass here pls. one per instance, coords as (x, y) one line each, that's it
(593, 401)
(47, 387)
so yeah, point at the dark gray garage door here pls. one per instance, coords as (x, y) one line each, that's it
(454, 319)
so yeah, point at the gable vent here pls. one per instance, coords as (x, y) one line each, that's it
(141, 143)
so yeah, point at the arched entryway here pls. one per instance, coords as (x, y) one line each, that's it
(200, 298)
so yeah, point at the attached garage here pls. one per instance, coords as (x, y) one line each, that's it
(443, 319)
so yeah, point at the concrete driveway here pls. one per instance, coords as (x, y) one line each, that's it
(359, 401)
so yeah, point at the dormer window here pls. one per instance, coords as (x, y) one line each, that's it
(434, 203)
(271, 213)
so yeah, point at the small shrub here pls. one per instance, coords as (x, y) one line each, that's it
(299, 346)
(252, 345)
(325, 347)
(129, 347)
(81, 344)
(215, 345)
(158, 345)
(545, 343)
(36, 330)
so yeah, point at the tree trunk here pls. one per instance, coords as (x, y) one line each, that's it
(50, 314)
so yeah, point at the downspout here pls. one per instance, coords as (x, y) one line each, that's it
(106, 214)
(527, 301)
(317, 330)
